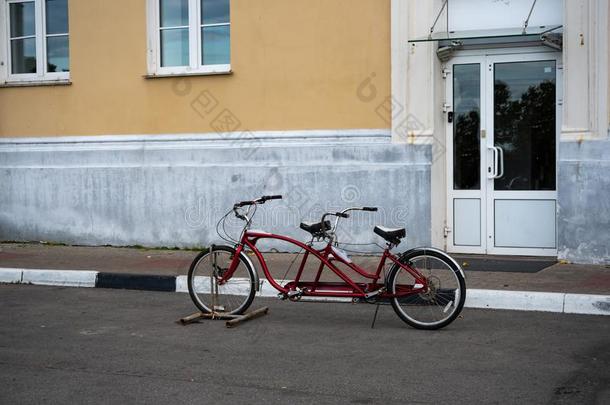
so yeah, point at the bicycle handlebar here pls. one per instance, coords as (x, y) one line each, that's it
(265, 198)
(260, 200)
(271, 197)
(342, 214)
(372, 209)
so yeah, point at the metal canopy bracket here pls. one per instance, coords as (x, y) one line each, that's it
(527, 20)
(438, 16)
(553, 40)
(444, 53)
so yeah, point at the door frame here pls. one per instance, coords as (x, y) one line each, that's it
(465, 194)
(486, 58)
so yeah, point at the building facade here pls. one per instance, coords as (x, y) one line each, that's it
(142, 122)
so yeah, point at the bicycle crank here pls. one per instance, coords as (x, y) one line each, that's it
(293, 295)
(375, 293)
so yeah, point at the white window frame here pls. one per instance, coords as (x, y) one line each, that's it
(41, 74)
(154, 44)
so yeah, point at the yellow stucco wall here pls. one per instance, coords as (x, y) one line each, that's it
(296, 65)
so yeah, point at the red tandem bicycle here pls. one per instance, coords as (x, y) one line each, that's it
(425, 286)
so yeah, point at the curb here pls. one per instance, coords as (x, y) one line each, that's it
(568, 303)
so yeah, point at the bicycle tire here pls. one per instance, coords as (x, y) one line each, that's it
(407, 307)
(231, 298)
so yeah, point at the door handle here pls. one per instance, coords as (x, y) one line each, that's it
(492, 172)
(501, 160)
(497, 171)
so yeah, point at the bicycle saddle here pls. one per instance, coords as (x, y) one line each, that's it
(315, 228)
(392, 235)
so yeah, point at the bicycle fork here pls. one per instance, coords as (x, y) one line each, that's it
(214, 284)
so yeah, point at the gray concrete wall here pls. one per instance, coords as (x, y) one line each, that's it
(584, 201)
(168, 191)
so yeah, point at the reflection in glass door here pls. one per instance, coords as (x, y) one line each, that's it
(466, 113)
(467, 185)
(524, 124)
(522, 197)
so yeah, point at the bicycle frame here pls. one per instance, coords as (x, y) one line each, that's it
(326, 256)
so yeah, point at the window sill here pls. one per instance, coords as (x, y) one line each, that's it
(36, 83)
(163, 75)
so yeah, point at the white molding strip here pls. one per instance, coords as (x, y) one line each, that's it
(576, 135)
(229, 140)
(320, 134)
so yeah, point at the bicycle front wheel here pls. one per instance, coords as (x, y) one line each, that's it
(232, 296)
(444, 299)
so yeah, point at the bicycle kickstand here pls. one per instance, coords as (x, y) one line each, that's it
(375, 316)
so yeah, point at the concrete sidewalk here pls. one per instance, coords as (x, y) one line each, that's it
(565, 278)
(551, 289)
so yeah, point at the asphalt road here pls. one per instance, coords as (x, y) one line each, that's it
(66, 345)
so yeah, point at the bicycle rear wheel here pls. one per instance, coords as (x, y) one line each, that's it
(444, 300)
(233, 296)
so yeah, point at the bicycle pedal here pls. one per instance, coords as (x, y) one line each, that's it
(292, 294)
(282, 296)
(374, 293)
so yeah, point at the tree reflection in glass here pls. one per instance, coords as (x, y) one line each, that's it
(466, 110)
(524, 124)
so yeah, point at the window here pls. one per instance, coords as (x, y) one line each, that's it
(189, 36)
(34, 40)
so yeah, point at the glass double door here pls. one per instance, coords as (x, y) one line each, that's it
(502, 128)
